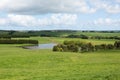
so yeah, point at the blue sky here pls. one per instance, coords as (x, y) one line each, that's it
(59, 14)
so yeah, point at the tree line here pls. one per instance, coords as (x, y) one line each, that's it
(77, 46)
(55, 33)
(92, 37)
(18, 41)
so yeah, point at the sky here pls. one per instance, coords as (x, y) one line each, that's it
(59, 14)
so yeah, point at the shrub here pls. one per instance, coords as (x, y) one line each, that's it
(84, 48)
(110, 46)
(117, 44)
(73, 48)
(103, 46)
(77, 46)
(55, 48)
(90, 47)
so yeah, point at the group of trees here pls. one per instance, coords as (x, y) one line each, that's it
(78, 36)
(102, 37)
(57, 33)
(92, 37)
(18, 41)
(43, 33)
(13, 34)
(77, 46)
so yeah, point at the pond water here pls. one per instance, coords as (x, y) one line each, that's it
(41, 46)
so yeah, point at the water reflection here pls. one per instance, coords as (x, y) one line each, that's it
(41, 46)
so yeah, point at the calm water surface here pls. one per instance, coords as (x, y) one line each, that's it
(41, 46)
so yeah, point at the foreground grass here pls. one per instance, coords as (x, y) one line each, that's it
(22, 64)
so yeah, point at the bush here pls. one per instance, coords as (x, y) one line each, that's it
(117, 44)
(55, 48)
(73, 48)
(110, 46)
(103, 46)
(87, 47)
(84, 48)
(77, 46)
(97, 47)
(90, 47)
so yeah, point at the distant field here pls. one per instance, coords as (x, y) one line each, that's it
(99, 34)
(63, 33)
(22, 64)
(59, 33)
(61, 40)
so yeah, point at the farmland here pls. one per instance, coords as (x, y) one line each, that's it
(17, 63)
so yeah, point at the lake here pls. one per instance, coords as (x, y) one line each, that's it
(41, 46)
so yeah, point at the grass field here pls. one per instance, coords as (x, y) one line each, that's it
(61, 40)
(64, 33)
(23, 64)
(99, 34)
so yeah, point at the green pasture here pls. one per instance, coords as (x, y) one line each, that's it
(99, 34)
(17, 63)
(23, 64)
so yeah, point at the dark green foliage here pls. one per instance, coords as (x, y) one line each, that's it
(87, 47)
(58, 47)
(97, 47)
(63, 47)
(77, 46)
(84, 36)
(93, 37)
(78, 36)
(117, 44)
(103, 46)
(13, 34)
(18, 42)
(73, 48)
(63, 33)
(110, 46)
(103, 37)
(90, 47)
(55, 48)
(84, 48)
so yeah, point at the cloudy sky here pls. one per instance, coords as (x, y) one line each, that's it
(59, 14)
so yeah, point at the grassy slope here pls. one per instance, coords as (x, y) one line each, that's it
(21, 64)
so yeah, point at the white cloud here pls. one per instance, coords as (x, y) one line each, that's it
(113, 9)
(43, 6)
(3, 4)
(59, 6)
(109, 6)
(107, 22)
(30, 21)
(3, 21)
(118, 1)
